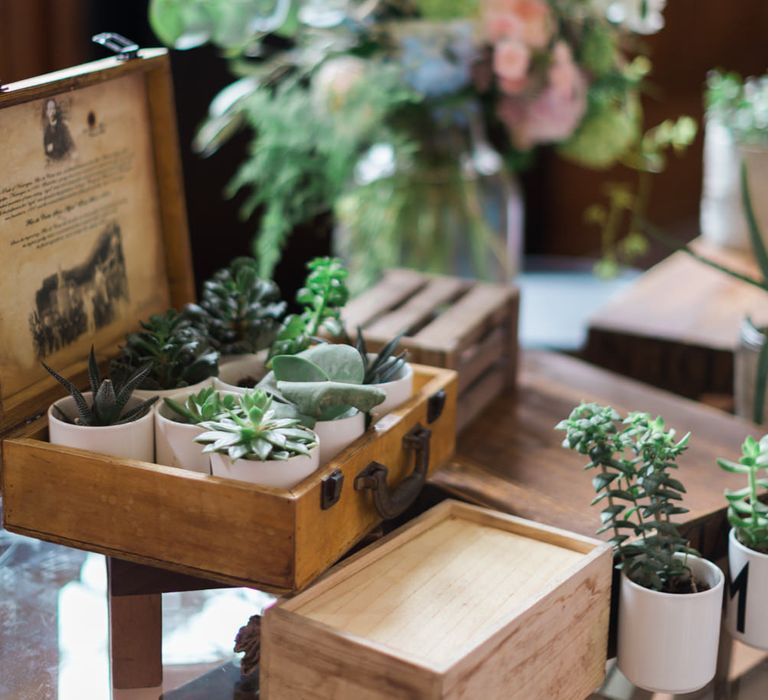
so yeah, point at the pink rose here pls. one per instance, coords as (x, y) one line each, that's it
(510, 60)
(553, 115)
(529, 21)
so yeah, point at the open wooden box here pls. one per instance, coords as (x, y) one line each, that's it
(124, 219)
(462, 602)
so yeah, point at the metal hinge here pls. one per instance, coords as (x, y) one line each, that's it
(125, 49)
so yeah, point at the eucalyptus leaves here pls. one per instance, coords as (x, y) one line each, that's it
(634, 458)
(746, 514)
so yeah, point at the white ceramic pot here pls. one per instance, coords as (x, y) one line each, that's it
(277, 474)
(233, 368)
(134, 440)
(748, 590)
(335, 435)
(398, 391)
(175, 444)
(172, 393)
(668, 642)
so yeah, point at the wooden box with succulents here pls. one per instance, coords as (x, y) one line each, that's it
(670, 599)
(130, 296)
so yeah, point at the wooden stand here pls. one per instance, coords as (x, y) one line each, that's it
(677, 326)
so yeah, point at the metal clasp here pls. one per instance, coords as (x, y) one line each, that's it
(125, 49)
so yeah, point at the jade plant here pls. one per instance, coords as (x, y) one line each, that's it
(747, 515)
(178, 353)
(239, 311)
(322, 298)
(108, 400)
(387, 364)
(203, 406)
(254, 430)
(324, 382)
(633, 458)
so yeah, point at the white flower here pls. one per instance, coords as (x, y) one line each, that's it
(335, 79)
(641, 16)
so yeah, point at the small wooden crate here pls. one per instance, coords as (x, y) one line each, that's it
(448, 322)
(461, 603)
(121, 120)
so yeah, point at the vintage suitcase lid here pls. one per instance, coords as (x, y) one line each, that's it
(93, 228)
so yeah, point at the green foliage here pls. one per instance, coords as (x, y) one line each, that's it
(746, 513)
(178, 353)
(255, 431)
(240, 312)
(633, 458)
(108, 400)
(739, 104)
(206, 405)
(324, 382)
(323, 296)
(386, 365)
(447, 9)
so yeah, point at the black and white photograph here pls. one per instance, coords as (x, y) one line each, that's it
(80, 299)
(57, 139)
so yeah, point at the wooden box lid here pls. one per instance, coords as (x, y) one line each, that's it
(93, 229)
(462, 602)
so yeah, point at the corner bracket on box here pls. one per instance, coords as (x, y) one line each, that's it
(123, 48)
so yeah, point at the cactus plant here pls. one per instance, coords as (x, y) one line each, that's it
(325, 382)
(256, 432)
(108, 400)
(178, 353)
(206, 405)
(239, 311)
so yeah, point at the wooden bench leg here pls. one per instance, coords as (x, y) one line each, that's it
(135, 640)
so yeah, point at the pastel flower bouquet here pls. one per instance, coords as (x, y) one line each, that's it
(409, 118)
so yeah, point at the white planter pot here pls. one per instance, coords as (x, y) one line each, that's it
(723, 222)
(275, 473)
(335, 435)
(172, 393)
(175, 444)
(134, 440)
(668, 642)
(749, 589)
(233, 368)
(398, 391)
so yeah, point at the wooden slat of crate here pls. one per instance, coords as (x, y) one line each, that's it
(392, 290)
(478, 395)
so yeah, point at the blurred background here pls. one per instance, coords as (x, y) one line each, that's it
(37, 36)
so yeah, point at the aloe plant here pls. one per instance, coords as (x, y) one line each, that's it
(255, 431)
(239, 311)
(747, 515)
(322, 297)
(633, 457)
(203, 406)
(386, 365)
(108, 400)
(324, 382)
(178, 353)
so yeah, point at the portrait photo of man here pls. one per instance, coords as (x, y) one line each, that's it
(57, 139)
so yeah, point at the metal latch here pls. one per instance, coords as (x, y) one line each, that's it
(125, 49)
(330, 489)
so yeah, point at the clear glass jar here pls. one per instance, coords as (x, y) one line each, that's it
(746, 369)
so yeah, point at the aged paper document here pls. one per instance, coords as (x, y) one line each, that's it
(81, 258)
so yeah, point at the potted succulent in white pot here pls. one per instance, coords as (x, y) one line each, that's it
(106, 419)
(252, 442)
(241, 314)
(670, 600)
(747, 602)
(179, 354)
(177, 424)
(325, 383)
(387, 370)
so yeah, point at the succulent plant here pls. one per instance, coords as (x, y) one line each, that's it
(108, 400)
(178, 353)
(386, 365)
(323, 297)
(203, 406)
(324, 382)
(256, 432)
(239, 311)
(747, 514)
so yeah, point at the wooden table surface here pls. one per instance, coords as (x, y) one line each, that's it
(510, 458)
(677, 325)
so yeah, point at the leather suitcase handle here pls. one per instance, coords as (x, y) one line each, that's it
(392, 502)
